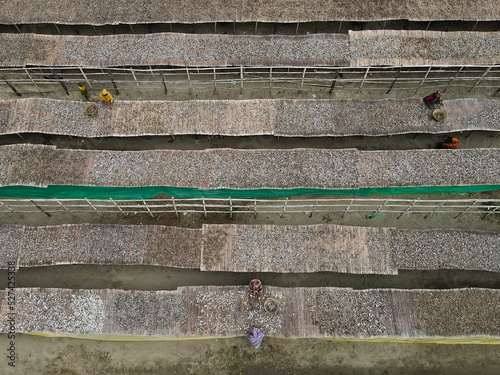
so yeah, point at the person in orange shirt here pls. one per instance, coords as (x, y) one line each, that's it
(106, 98)
(451, 143)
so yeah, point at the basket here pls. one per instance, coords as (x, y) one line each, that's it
(90, 109)
(271, 306)
(439, 114)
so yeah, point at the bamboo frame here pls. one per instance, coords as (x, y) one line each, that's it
(254, 206)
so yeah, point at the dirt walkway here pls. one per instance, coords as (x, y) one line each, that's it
(50, 356)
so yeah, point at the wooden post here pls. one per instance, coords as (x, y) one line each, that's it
(348, 207)
(409, 207)
(95, 30)
(334, 81)
(62, 205)
(297, 28)
(215, 27)
(84, 76)
(364, 78)
(32, 80)
(255, 207)
(131, 28)
(438, 206)
(113, 82)
(147, 208)
(116, 205)
(474, 28)
(425, 77)
(91, 205)
(230, 207)
(18, 29)
(340, 27)
(428, 25)
(164, 83)
(451, 81)
(255, 32)
(480, 79)
(468, 208)
(303, 76)
(314, 208)
(175, 207)
(204, 207)
(40, 208)
(11, 87)
(271, 77)
(284, 207)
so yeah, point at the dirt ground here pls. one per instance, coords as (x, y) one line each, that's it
(67, 356)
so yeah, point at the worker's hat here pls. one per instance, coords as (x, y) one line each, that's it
(104, 92)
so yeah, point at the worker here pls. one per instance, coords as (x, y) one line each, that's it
(256, 289)
(450, 143)
(83, 90)
(434, 98)
(255, 336)
(106, 98)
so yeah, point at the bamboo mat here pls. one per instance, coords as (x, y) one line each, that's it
(36, 165)
(253, 248)
(275, 117)
(218, 311)
(93, 12)
(359, 48)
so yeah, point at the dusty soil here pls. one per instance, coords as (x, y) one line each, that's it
(50, 356)
(167, 278)
(468, 139)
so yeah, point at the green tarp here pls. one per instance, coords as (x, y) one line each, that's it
(100, 192)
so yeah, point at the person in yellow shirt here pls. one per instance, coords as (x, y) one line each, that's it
(106, 98)
(83, 90)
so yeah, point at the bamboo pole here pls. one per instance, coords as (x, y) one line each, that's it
(364, 78)
(40, 208)
(32, 80)
(113, 82)
(453, 79)
(91, 205)
(62, 205)
(437, 207)
(189, 77)
(135, 79)
(480, 79)
(117, 206)
(175, 207)
(230, 207)
(10, 85)
(57, 28)
(468, 208)
(7, 206)
(423, 80)
(409, 207)
(314, 208)
(204, 207)
(85, 77)
(303, 76)
(284, 207)
(147, 208)
(348, 207)
(164, 83)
